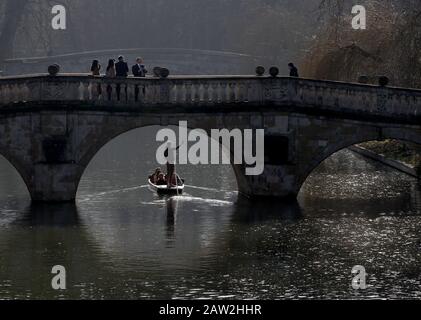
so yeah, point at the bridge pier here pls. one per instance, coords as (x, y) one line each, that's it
(54, 182)
(275, 182)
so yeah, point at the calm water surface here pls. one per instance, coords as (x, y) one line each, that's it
(121, 241)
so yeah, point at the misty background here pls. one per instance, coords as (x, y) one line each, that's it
(269, 29)
(316, 34)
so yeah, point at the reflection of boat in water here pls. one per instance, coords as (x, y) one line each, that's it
(164, 189)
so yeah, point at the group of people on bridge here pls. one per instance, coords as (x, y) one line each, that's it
(120, 69)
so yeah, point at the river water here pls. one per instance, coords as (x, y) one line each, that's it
(121, 241)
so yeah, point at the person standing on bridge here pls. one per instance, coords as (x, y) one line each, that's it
(122, 71)
(139, 69)
(96, 68)
(293, 70)
(111, 72)
(96, 71)
(121, 67)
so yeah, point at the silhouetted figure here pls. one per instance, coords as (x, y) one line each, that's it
(154, 177)
(139, 69)
(110, 73)
(96, 68)
(293, 71)
(96, 71)
(122, 71)
(161, 181)
(121, 67)
(170, 154)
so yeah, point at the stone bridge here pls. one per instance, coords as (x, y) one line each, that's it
(52, 126)
(178, 60)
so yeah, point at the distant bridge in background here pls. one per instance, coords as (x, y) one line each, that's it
(177, 60)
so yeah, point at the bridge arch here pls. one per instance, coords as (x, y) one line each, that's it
(347, 142)
(95, 148)
(19, 168)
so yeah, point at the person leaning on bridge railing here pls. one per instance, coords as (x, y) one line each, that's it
(293, 70)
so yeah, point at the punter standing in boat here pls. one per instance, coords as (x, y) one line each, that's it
(170, 154)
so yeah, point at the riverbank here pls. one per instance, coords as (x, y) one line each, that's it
(394, 163)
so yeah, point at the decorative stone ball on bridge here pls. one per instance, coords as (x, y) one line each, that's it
(161, 72)
(274, 71)
(383, 81)
(54, 69)
(260, 71)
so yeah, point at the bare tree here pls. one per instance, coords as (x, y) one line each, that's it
(391, 45)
